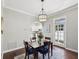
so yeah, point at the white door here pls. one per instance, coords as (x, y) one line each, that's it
(59, 32)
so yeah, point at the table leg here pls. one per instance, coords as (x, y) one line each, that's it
(51, 48)
(35, 55)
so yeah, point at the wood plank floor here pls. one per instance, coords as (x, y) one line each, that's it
(58, 53)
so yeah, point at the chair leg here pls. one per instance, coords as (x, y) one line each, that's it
(28, 56)
(34, 55)
(48, 56)
(51, 49)
(25, 56)
(43, 56)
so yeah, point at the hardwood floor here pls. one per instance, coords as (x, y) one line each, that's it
(61, 53)
(12, 54)
(58, 53)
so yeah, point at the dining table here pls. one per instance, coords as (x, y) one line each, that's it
(36, 45)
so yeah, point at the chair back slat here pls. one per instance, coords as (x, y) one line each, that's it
(48, 38)
(26, 45)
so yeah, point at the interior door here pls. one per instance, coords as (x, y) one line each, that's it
(60, 32)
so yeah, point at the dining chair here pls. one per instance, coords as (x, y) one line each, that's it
(28, 49)
(51, 48)
(33, 39)
(44, 49)
(51, 44)
(48, 38)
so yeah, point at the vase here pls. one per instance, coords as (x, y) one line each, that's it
(39, 41)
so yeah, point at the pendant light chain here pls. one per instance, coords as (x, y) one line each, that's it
(42, 6)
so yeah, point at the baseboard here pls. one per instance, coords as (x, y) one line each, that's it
(11, 50)
(59, 46)
(69, 49)
(72, 50)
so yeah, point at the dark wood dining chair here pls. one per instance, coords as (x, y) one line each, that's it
(28, 49)
(44, 49)
(48, 38)
(33, 39)
(51, 44)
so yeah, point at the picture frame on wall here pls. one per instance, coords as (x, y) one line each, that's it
(47, 28)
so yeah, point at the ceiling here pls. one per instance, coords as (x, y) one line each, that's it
(33, 7)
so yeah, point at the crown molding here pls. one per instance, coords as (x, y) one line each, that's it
(50, 12)
(18, 10)
(64, 10)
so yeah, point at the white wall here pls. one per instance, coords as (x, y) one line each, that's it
(48, 28)
(71, 26)
(72, 29)
(16, 27)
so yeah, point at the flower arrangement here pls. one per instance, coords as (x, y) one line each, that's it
(40, 36)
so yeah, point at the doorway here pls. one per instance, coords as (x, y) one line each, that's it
(59, 33)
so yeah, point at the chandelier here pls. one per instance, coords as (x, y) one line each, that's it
(42, 16)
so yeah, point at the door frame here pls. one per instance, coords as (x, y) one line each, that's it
(56, 18)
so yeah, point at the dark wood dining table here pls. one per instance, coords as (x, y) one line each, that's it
(36, 45)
